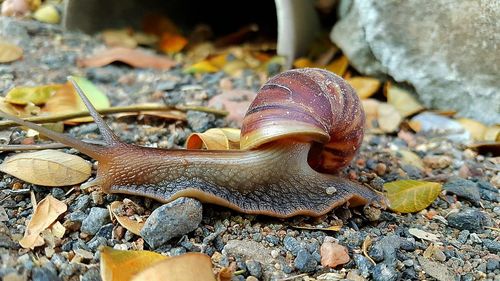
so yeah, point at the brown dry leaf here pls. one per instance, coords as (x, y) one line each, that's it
(388, 118)
(410, 158)
(476, 129)
(117, 265)
(367, 243)
(130, 224)
(45, 213)
(333, 254)
(334, 228)
(236, 102)
(133, 57)
(408, 196)
(186, 267)
(404, 102)
(9, 52)
(215, 139)
(119, 38)
(47, 167)
(37, 95)
(226, 273)
(338, 66)
(365, 86)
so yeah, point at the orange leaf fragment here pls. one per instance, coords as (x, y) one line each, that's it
(365, 86)
(186, 267)
(338, 66)
(132, 57)
(46, 212)
(172, 43)
(117, 265)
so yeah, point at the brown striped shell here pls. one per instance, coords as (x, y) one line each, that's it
(312, 105)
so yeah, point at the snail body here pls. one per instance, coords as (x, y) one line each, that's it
(295, 115)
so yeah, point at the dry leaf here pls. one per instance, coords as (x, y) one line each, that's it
(388, 118)
(186, 267)
(303, 62)
(119, 38)
(236, 102)
(215, 139)
(475, 128)
(410, 158)
(45, 213)
(204, 66)
(365, 86)
(132, 57)
(338, 66)
(9, 52)
(130, 224)
(117, 265)
(492, 133)
(367, 243)
(423, 235)
(408, 196)
(18, 110)
(402, 100)
(58, 230)
(172, 43)
(36, 95)
(48, 14)
(47, 167)
(66, 100)
(333, 254)
(329, 228)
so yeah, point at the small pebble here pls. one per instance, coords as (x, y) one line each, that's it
(304, 262)
(382, 272)
(173, 219)
(470, 219)
(364, 265)
(492, 245)
(254, 268)
(292, 245)
(95, 220)
(492, 264)
(463, 188)
(43, 274)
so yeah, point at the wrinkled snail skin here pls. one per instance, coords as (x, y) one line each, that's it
(272, 176)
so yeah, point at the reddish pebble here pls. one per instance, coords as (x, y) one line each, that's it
(333, 254)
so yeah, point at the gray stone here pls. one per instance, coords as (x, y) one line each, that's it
(492, 245)
(388, 246)
(92, 274)
(82, 202)
(463, 188)
(363, 264)
(200, 121)
(254, 268)
(436, 270)
(43, 274)
(470, 219)
(488, 191)
(383, 272)
(95, 220)
(304, 261)
(173, 219)
(492, 264)
(14, 32)
(292, 245)
(448, 50)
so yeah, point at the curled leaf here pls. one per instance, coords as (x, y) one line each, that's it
(132, 57)
(408, 196)
(117, 265)
(47, 167)
(215, 139)
(9, 52)
(186, 267)
(128, 223)
(45, 213)
(36, 95)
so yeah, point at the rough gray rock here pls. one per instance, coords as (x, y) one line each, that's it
(470, 219)
(448, 50)
(95, 220)
(464, 188)
(173, 219)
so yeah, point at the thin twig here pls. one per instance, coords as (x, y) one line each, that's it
(42, 146)
(293, 277)
(113, 110)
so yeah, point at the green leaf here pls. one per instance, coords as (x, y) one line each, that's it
(408, 196)
(37, 95)
(96, 96)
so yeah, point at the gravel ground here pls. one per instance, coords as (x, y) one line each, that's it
(464, 217)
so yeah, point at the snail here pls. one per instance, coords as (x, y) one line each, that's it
(301, 122)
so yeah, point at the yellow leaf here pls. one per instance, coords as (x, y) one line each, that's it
(329, 228)
(130, 224)
(492, 133)
(201, 67)
(45, 213)
(117, 265)
(215, 139)
(410, 158)
(476, 129)
(9, 52)
(218, 61)
(18, 110)
(365, 86)
(48, 14)
(186, 267)
(66, 100)
(338, 66)
(36, 95)
(402, 100)
(47, 167)
(303, 62)
(408, 196)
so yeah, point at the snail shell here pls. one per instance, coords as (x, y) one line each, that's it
(311, 105)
